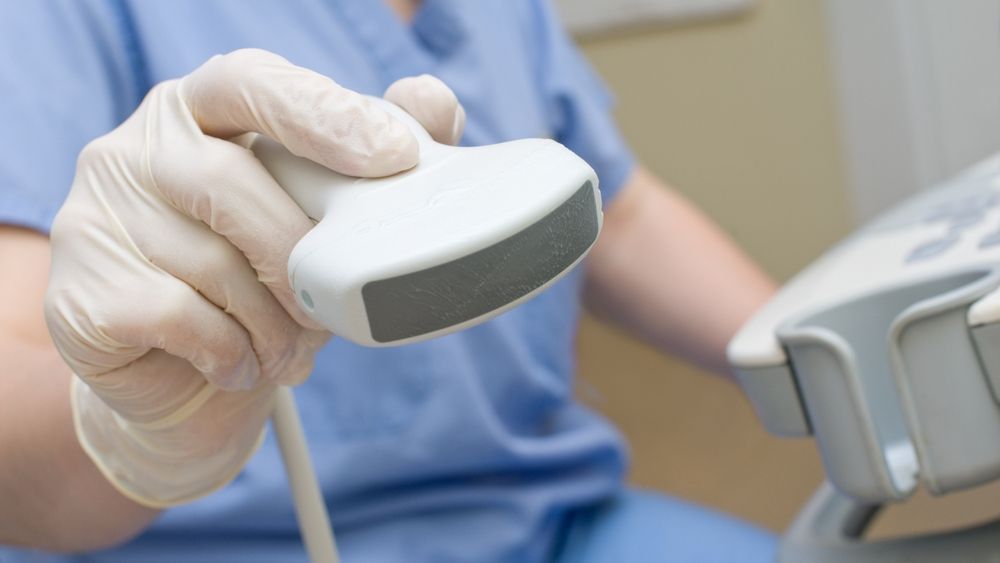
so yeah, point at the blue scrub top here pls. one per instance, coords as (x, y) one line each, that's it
(466, 448)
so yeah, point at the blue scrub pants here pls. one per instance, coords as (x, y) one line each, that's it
(647, 527)
(635, 527)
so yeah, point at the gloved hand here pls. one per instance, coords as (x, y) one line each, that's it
(168, 295)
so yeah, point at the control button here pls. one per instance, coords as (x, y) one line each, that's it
(939, 213)
(964, 210)
(965, 219)
(931, 249)
(307, 300)
(986, 200)
(990, 240)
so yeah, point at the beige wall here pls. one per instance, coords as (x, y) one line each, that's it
(739, 115)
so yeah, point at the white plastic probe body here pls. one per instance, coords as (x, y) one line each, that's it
(373, 268)
(886, 348)
(463, 236)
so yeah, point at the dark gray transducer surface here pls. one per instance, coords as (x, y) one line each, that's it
(452, 293)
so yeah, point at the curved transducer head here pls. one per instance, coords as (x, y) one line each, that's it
(465, 235)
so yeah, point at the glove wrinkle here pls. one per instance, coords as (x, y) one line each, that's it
(169, 295)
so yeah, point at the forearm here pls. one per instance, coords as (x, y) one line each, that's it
(664, 272)
(53, 497)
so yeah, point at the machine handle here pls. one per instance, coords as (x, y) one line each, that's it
(830, 528)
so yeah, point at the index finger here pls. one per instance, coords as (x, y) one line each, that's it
(310, 114)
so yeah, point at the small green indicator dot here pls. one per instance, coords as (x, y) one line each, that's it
(307, 299)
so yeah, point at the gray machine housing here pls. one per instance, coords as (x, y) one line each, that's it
(887, 352)
(893, 388)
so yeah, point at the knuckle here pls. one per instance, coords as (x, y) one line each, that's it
(158, 92)
(169, 307)
(163, 168)
(249, 55)
(276, 351)
(67, 320)
(242, 62)
(78, 330)
(55, 306)
(207, 189)
(227, 357)
(195, 186)
(121, 140)
(425, 90)
(427, 87)
(226, 157)
(67, 223)
(298, 350)
(95, 152)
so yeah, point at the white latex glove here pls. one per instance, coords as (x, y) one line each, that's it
(169, 295)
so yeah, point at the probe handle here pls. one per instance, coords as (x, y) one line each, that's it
(314, 196)
(313, 186)
(338, 204)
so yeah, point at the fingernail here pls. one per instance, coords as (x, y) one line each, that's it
(304, 356)
(402, 148)
(245, 375)
(458, 125)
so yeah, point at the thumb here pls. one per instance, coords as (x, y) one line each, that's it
(432, 103)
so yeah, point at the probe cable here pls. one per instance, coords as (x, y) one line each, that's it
(310, 509)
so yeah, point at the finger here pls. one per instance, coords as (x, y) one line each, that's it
(173, 317)
(227, 188)
(173, 393)
(221, 273)
(244, 140)
(106, 306)
(158, 381)
(308, 343)
(431, 102)
(311, 115)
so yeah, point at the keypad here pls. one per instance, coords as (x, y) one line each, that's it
(931, 248)
(965, 211)
(990, 240)
(958, 216)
